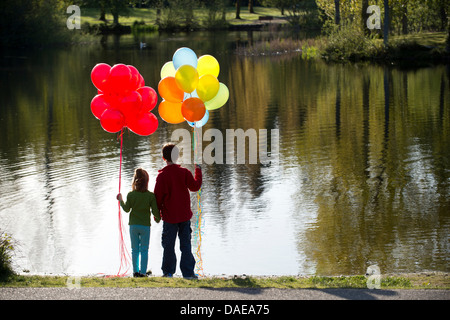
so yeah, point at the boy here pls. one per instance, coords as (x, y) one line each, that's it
(172, 187)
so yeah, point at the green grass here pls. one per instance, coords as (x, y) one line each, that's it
(416, 281)
(432, 39)
(148, 16)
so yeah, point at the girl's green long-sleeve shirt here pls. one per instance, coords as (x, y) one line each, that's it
(140, 204)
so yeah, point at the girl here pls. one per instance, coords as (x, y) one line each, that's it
(140, 201)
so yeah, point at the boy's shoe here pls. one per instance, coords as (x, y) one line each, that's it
(148, 273)
(137, 275)
(168, 275)
(193, 277)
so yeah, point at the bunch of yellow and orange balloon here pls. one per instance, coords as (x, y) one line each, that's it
(190, 88)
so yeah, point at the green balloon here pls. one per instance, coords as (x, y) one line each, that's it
(220, 99)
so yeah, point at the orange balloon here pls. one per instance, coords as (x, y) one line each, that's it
(170, 112)
(169, 90)
(193, 109)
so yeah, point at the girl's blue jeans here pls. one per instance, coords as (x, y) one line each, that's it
(140, 239)
(169, 235)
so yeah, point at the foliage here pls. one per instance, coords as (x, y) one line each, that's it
(6, 249)
(406, 15)
(176, 14)
(33, 22)
(348, 42)
(216, 14)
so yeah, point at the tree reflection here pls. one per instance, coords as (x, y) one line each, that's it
(364, 151)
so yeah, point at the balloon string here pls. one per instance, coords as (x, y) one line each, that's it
(123, 252)
(199, 265)
(198, 224)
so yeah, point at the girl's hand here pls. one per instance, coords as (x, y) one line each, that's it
(119, 197)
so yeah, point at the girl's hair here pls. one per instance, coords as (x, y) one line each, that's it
(140, 180)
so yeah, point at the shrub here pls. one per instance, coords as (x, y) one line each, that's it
(6, 249)
(348, 42)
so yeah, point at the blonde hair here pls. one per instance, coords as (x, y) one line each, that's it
(140, 180)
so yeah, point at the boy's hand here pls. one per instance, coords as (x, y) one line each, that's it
(198, 166)
(119, 197)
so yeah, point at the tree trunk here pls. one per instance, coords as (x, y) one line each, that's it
(102, 11)
(386, 22)
(250, 6)
(405, 21)
(365, 5)
(238, 9)
(337, 14)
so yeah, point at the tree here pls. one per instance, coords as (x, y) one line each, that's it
(250, 6)
(117, 7)
(337, 13)
(365, 5)
(386, 22)
(238, 9)
(33, 22)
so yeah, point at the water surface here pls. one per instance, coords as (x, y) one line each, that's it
(362, 176)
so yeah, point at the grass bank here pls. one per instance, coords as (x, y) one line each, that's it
(349, 43)
(402, 281)
(146, 19)
(405, 50)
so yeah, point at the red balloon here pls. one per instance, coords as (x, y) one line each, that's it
(144, 125)
(130, 105)
(99, 105)
(193, 109)
(135, 77)
(141, 81)
(99, 75)
(149, 98)
(123, 100)
(112, 120)
(119, 79)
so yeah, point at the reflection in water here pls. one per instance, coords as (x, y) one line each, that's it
(362, 176)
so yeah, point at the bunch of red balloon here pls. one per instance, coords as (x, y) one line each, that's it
(123, 100)
(190, 88)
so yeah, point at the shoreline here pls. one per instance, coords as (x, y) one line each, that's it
(418, 280)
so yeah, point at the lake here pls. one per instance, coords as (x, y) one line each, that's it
(362, 174)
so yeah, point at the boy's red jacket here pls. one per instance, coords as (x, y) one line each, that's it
(172, 187)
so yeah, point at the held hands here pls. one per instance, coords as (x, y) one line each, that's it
(119, 197)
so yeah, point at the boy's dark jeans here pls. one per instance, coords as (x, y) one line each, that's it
(169, 234)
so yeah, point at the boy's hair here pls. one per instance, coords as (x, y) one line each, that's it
(140, 180)
(170, 152)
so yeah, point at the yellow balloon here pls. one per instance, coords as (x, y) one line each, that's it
(207, 64)
(168, 70)
(207, 88)
(187, 78)
(220, 99)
